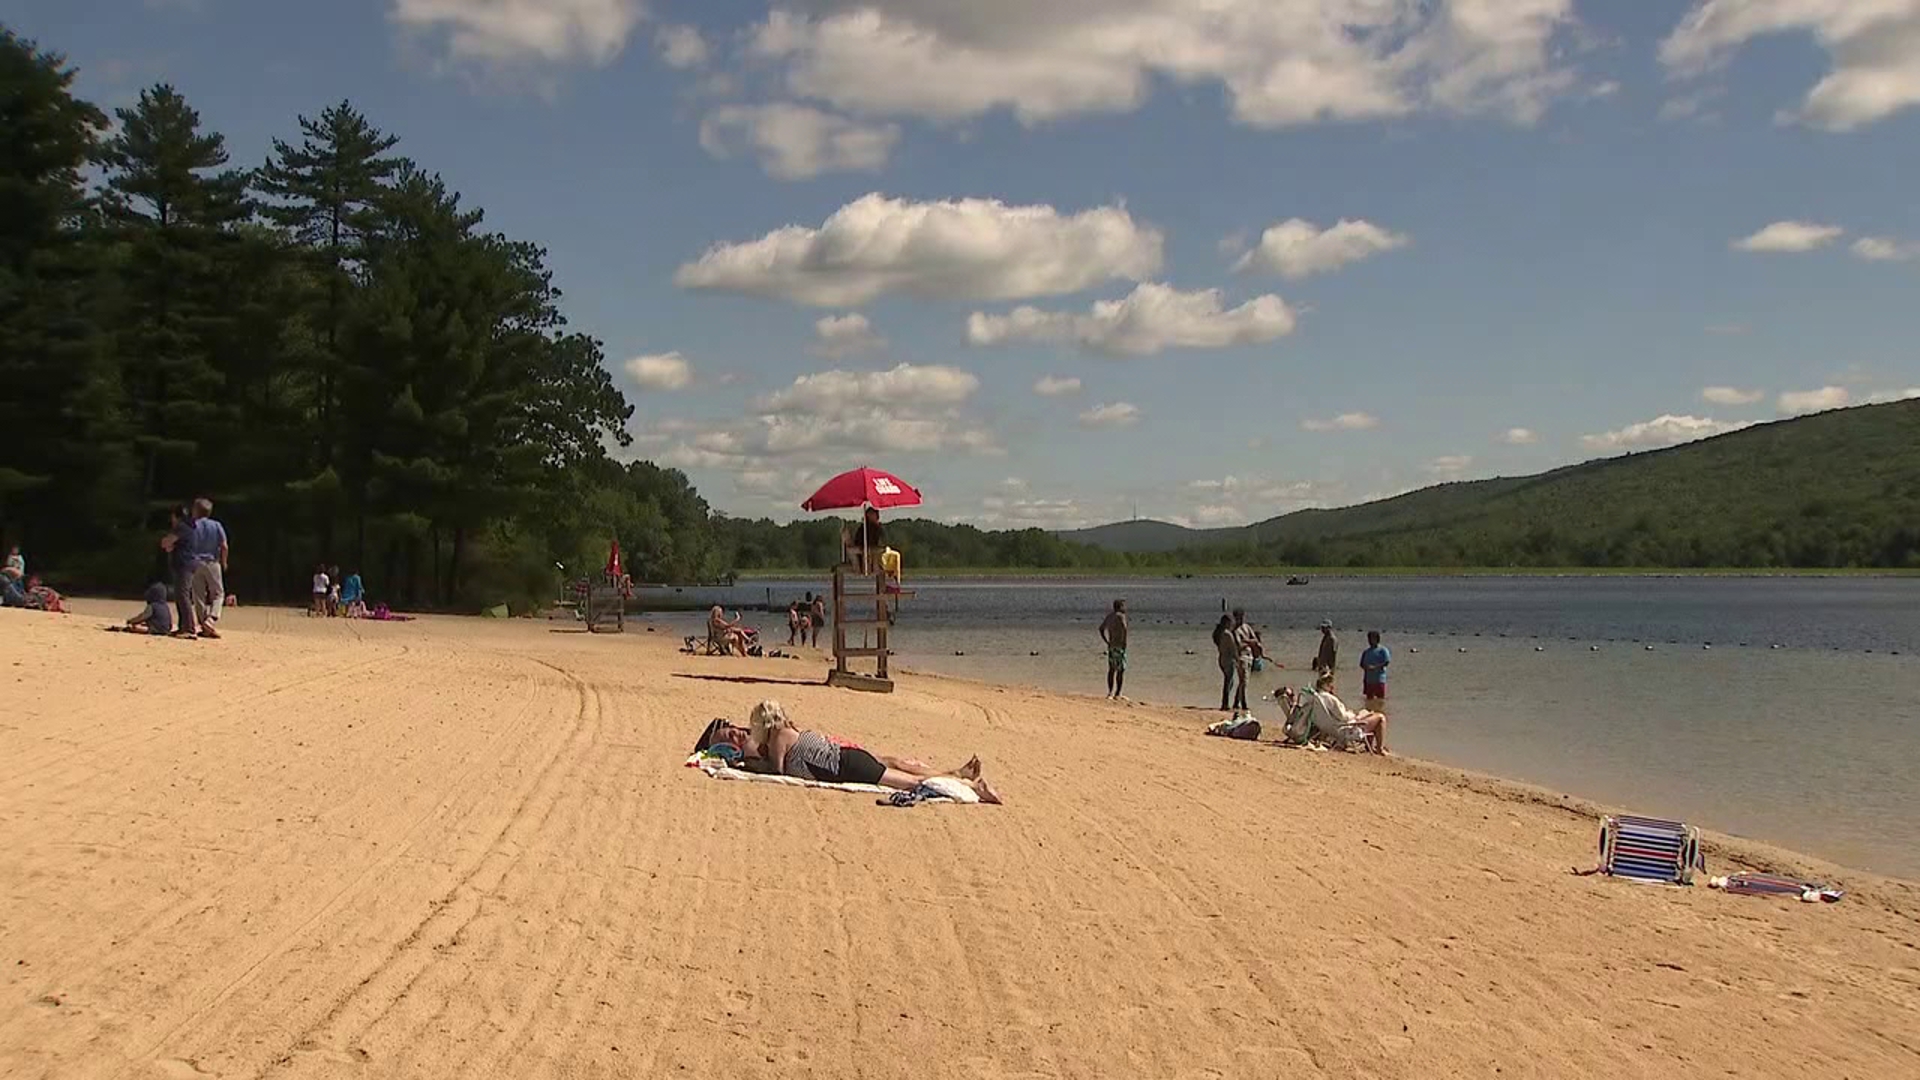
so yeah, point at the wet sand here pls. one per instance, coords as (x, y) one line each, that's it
(460, 848)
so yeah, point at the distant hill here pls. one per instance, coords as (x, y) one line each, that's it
(1835, 489)
(1141, 536)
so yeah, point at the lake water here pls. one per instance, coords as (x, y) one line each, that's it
(1799, 725)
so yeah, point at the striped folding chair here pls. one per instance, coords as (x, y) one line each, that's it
(1651, 850)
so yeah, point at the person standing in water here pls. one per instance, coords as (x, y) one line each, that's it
(1373, 673)
(1329, 652)
(1113, 631)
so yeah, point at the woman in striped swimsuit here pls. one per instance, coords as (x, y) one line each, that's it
(809, 755)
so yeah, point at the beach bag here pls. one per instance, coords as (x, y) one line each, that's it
(1651, 850)
(1242, 727)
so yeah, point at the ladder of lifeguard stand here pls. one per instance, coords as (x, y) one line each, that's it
(843, 650)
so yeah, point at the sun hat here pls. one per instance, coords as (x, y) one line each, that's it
(1326, 624)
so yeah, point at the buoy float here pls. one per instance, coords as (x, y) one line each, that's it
(1538, 648)
(1649, 648)
(1593, 648)
(1463, 648)
(1708, 645)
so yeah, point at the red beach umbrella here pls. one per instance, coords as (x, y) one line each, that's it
(861, 487)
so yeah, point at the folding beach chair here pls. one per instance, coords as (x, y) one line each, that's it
(1651, 850)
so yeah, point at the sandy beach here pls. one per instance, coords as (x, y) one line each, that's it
(464, 848)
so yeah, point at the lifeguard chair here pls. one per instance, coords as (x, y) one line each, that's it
(603, 603)
(866, 584)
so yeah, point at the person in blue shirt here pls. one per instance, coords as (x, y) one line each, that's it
(1373, 672)
(209, 588)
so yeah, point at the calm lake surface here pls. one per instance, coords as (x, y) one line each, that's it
(1799, 725)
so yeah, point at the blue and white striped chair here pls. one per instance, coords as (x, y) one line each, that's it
(1650, 849)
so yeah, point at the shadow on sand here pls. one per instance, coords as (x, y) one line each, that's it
(750, 679)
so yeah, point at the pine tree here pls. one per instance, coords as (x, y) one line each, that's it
(174, 216)
(61, 462)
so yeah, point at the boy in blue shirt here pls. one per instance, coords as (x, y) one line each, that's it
(1373, 672)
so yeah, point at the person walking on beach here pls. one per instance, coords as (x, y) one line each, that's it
(209, 569)
(1323, 661)
(1373, 673)
(1113, 631)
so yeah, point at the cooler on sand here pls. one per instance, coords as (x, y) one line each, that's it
(1650, 849)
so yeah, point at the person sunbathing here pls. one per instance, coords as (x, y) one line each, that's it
(1372, 726)
(772, 744)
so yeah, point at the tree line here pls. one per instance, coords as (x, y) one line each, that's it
(329, 343)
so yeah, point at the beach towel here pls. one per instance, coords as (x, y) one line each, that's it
(1754, 883)
(716, 768)
(933, 789)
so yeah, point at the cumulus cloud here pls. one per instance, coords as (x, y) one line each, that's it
(837, 393)
(797, 142)
(553, 31)
(845, 335)
(1119, 414)
(1280, 62)
(1789, 236)
(1519, 436)
(681, 46)
(660, 371)
(1352, 421)
(1873, 45)
(968, 249)
(1881, 397)
(1000, 512)
(1297, 248)
(1148, 320)
(1056, 386)
(1449, 466)
(1796, 402)
(1665, 430)
(1730, 395)
(1884, 249)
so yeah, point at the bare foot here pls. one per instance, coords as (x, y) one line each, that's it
(986, 792)
(971, 770)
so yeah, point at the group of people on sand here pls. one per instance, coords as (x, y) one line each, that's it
(335, 597)
(1241, 651)
(771, 743)
(19, 589)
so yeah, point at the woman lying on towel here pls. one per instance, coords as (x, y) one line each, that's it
(771, 744)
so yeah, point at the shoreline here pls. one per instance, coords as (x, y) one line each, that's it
(1749, 853)
(1331, 573)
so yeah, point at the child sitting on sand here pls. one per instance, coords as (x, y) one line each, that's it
(156, 618)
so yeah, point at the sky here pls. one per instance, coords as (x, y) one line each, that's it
(1206, 261)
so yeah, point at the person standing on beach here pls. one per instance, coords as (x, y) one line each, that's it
(1329, 648)
(209, 569)
(819, 616)
(178, 544)
(1113, 631)
(1224, 644)
(1373, 673)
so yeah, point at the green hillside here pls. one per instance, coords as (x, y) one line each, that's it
(1835, 489)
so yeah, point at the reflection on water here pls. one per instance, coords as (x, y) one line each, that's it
(1814, 744)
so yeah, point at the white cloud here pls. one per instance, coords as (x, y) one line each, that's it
(1281, 62)
(837, 393)
(845, 335)
(1666, 430)
(1056, 386)
(1449, 466)
(553, 31)
(681, 47)
(1730, 395)
(1881, 397)
(1151, 318)
(1352, 421)
(1014, 483)
(1119, 414)
(1004, 513)
(797, 142)
(1297, 248)
(661, 371)
(1796, 402)
(1790, 236)
(1519, 436)
(965, 249)
(1884, 249)
(1874, 46)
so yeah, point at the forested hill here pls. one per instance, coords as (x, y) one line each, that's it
(1836, 489)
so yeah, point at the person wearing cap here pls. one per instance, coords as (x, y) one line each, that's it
(1329, 648)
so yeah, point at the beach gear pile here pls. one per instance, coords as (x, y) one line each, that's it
(1655, 851)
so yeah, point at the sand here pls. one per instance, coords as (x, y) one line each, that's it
(463, 848)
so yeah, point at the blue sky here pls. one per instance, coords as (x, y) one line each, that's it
(821, 233)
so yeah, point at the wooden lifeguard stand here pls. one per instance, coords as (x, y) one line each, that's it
(853, 592)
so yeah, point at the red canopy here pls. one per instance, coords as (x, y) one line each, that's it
(861, 487)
